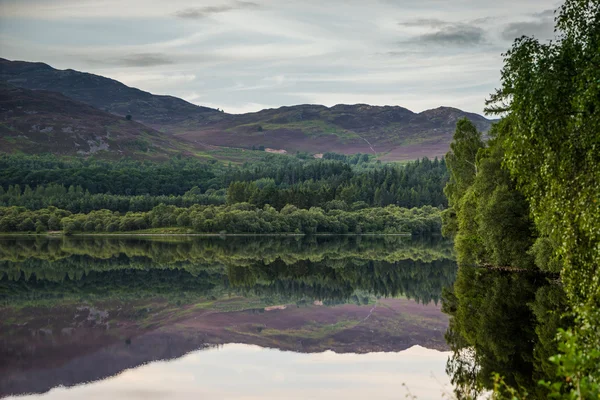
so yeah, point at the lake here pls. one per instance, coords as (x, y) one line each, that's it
(224, 317)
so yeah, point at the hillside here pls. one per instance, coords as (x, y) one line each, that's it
(393, 132)
(41, 121)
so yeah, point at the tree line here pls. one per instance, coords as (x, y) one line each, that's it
(336, 181)
(123, 177)
(77, 200)
(237, 218)
(414, 185)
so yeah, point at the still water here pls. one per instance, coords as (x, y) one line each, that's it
(216, 318)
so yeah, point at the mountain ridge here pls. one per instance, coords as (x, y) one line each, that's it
(392, 132)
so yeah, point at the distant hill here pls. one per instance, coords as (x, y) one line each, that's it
(393, 132)
(40, 121)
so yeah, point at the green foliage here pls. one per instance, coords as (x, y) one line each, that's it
(552, 94)
(577, 364)
(490, 218)
(501, 212)
(461, 161)
(76, 199)
(543, 161)
(86, 185)
(346, 178)
(543, 251)
(236, 218)
(124, 177)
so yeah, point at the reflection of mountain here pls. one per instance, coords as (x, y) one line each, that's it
(75, 309)
(38, 359)
(89, 361)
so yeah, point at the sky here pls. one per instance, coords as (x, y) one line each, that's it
(244, 56)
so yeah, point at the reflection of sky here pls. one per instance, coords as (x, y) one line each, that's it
(238, 371)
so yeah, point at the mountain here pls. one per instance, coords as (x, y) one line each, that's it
(40, 121)
(104, 93)
(395, 133)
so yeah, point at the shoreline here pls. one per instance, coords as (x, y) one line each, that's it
(46, 234)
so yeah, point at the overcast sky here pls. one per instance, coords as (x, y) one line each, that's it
(248, 55)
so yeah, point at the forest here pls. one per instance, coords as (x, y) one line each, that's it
(282, 194)
(523, 212)
(83, 185)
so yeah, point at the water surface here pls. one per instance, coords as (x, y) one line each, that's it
(240, 371)
(334, 317)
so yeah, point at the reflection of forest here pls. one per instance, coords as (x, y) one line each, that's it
(502, 322)
(330, 269)
(237, 250)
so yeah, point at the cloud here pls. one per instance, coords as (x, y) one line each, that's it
(144, 60)
(155, 80)
(133, 60)
(446, 32)
(483, 20)
(458, 35)
(542, 27)
(415, 54)
(403, 53)
(550, 13)
(203, 12)
(431, 22)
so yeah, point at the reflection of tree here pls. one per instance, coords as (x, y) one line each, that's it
(231, 250)
(501, 323)
(415, 279)
(328, 269)
(122, 284)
